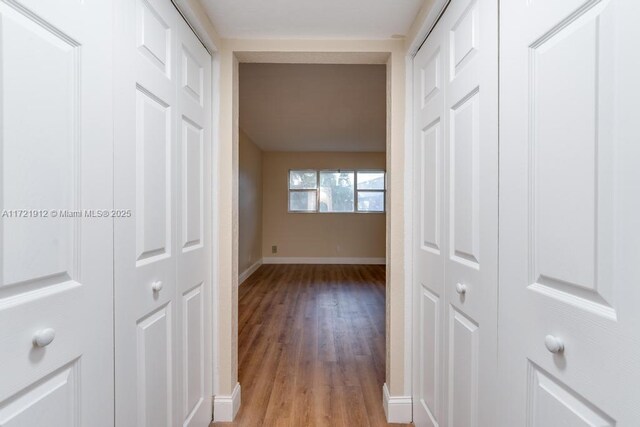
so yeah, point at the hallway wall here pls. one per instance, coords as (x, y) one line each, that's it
(250, 203)
(318, 235)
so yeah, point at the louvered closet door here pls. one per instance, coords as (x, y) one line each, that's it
(162, 268)
(569, 222)
(456, 218)
(56, 269)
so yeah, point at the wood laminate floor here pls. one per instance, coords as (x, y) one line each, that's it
(311, 346)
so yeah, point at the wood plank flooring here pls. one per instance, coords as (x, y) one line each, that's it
(311, 346)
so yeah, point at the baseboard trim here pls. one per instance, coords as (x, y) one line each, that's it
(323, 260)
(225, 408)
(398, 409)
(249, 271)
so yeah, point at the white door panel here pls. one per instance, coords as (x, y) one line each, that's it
(56, 267)
(569, 204)
(428, 241)
(472, 189)
(145, 264)
(193, 248)
(455, 188)
(163, 263)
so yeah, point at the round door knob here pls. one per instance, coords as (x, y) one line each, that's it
(461, 289)
(554, 344)
(43, 337)
(156, 286)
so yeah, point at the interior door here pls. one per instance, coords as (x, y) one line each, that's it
(429, 243)
(56, 280)
(193, 245)
(569, 224)
(455, 215)
(162, 259)
(471, 190)
(145, 261)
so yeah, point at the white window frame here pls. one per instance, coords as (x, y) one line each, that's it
(355, 191)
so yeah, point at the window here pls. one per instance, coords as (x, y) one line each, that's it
(336, 191)
(303, 191)
(370, 191)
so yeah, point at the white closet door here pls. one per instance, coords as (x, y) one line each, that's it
(145, 182)
(471, 191)
(193, 244)
(429, 244)
(56, 281)
(162, 262)
(569, 223)
(455, 218)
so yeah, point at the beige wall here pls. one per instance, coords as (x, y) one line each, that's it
(249, 203)
(349, 235)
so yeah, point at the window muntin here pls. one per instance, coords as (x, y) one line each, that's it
(336, 191)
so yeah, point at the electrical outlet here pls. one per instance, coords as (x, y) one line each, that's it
(274, 249)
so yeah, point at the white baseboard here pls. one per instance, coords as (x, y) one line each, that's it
(398, 409)
(322, 260)
(225, 408)
(249, 271)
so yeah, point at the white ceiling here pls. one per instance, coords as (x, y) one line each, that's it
(351, 19)
(314, 107)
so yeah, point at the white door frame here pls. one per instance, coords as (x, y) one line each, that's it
(389, 52)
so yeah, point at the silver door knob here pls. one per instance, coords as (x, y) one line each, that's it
(461, 289)
(554, 344)
(43, 337)
(156, 286)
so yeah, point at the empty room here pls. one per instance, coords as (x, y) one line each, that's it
(340, 213)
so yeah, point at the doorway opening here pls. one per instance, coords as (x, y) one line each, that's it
(312, 242)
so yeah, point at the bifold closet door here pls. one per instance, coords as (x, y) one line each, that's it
(456, 218)
(56, 271)
(569, 222)
(193, 243)
(162, 252)
(428, 231)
